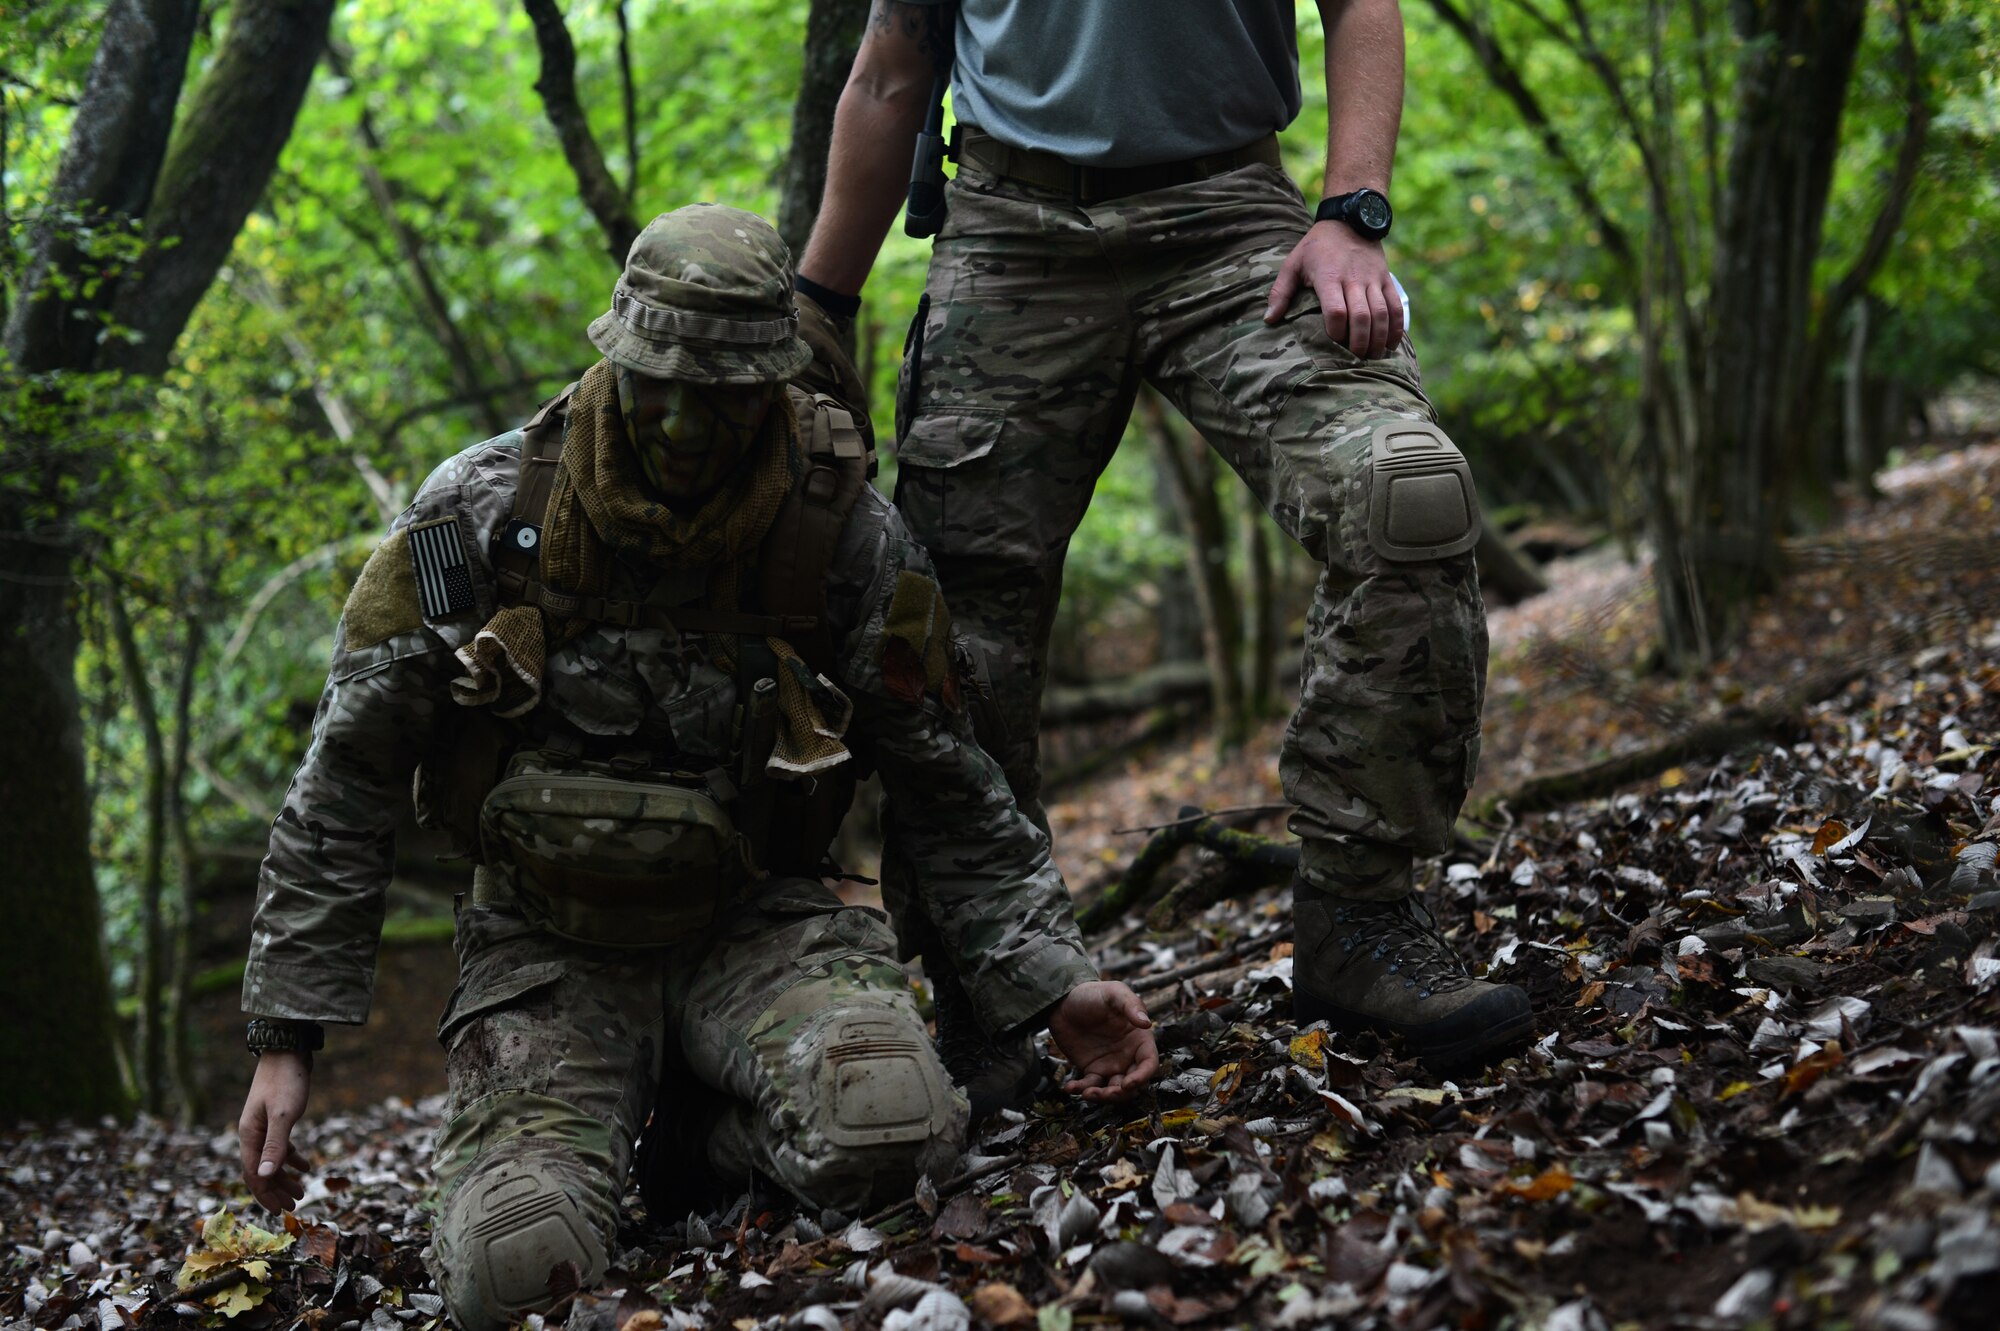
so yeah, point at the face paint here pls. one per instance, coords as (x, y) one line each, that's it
(689, 437)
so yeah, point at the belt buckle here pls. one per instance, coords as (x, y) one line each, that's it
(1079, 178)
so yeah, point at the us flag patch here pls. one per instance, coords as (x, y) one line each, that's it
(444, 583)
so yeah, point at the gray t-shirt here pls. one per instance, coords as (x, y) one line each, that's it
(1126, 82)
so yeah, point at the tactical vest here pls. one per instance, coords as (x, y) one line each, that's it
(789, 825)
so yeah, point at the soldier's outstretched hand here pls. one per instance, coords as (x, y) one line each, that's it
(1102, 1028)
(277, 1100)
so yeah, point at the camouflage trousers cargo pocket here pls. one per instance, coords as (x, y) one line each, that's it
(537, 1019)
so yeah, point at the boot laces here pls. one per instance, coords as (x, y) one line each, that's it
(1406, 936)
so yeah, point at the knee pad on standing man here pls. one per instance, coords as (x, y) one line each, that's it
(1421, 505)
(502, 1233)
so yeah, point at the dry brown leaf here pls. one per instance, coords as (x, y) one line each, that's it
(1803, 1074)
(1551, 1182)
(1001, 1304)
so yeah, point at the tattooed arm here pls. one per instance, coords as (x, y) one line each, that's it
(905, 49)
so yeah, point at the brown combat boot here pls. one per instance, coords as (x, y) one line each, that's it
(1384, 965)
(994, 1074)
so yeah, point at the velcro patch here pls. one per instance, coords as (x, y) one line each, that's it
(444, 582)
(917, 619)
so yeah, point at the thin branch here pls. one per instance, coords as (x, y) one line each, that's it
(1202, 815)
(275, 586)
(9, 77)
(411, 415)
(631, 105)
(1228, 956)
(1895, 200)
(1711, 119)
(464, 365)
(262, 810)
(1506, 77)
(339, 418)
(557, 85)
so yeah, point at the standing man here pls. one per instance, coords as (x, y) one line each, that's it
(634, 651)
(1121, 214)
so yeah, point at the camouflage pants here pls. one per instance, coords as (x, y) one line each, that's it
(1044, 318)
(790, 1024)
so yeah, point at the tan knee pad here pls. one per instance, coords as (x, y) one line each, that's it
(502, 1233)
(1422, 504)
(880, 1082)
(881, 1113)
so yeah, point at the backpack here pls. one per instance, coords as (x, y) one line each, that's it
(791, 823)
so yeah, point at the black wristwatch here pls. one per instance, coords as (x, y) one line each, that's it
(268, 1035)
(1366, 210)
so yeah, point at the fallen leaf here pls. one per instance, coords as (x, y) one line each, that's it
(224, 1243)
(1551, 1182)
(1309, 1049)
(1831, 833)
(966, 1252)
(1801, 1075)
(1001, 1304)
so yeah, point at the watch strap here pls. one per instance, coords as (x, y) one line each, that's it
(1341, 208)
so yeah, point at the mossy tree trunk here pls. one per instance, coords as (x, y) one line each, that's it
(187, 198)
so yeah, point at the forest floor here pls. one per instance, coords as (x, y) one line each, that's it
(1764, 1089)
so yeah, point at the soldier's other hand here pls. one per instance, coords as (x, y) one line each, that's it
(1102, 1028)
(1357, 297)
(277, 1100)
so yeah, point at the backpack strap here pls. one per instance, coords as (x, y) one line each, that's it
(799, 549)
(517, 554)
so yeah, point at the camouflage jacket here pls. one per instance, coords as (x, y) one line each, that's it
(983, 868)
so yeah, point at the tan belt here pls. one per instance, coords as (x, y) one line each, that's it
(1095, 184)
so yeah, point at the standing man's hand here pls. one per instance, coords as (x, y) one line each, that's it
(1357, 297)
(277, 1100)
(1102, 1028)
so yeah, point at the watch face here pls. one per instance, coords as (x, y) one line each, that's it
(1372, 211)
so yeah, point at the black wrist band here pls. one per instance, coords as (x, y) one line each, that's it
(274, 1035)
(839, 305)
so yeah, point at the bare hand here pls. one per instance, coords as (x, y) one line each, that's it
(1102, 1028)
(277, 1100)
(1351, 277)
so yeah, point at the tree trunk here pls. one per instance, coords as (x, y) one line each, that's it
(1791, 88)
(108, 170)
(196, 196)
(1191, 469)
(1262, 612)
(187, 1086)
(222, 157)
(1178, 619)
(64, 1061)
(151, 1059)
(833, 32)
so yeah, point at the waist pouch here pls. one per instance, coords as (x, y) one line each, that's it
(613, 857)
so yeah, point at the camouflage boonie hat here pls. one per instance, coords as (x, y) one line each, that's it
(705, 298)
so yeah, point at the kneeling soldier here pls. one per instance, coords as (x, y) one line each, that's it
(635, 654)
